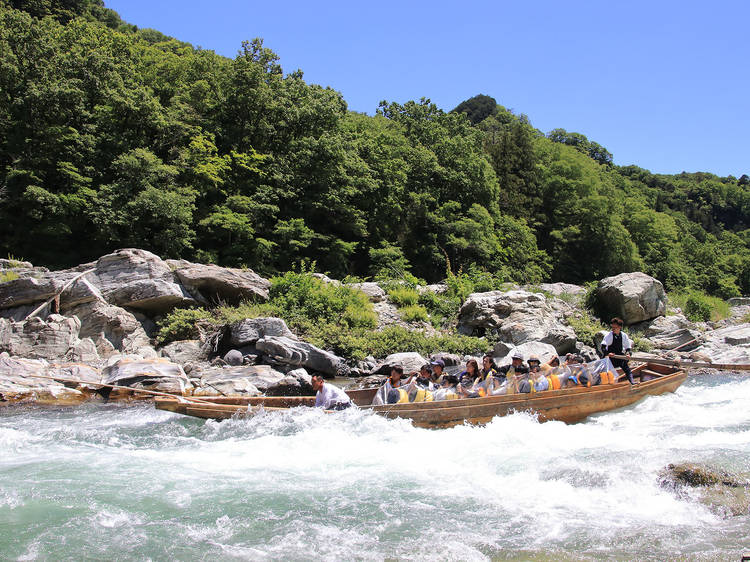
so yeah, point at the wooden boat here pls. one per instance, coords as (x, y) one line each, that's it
(569, 405)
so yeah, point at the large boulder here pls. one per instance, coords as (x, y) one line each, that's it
(634, 297)
(723, 492)
(518, 317)
(302, 354)
(184, 351)
(727, 345)
(221, 284)
(150, 374)
(544, 351)
(563, 289)
(248, 331)
(27, 290)
(251, 381)
(410, 361)
(141, 280)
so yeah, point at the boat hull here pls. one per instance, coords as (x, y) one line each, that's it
(569, 405)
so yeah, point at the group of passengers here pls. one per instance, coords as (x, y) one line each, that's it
(432, 383)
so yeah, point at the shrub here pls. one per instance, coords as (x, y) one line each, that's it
(700, 307)
(180, 324)
(403, 296)
(414, 313)
(585, 326)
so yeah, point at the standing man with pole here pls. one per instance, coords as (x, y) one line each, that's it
(617, 342)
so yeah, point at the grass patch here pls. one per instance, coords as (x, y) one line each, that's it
(180, 324)
(6, 276)
(585, 326)
(699, 307)
(402, 296)
(414, 313)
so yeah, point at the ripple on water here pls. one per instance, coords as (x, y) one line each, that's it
(134, 482)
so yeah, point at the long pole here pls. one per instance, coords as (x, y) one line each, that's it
(688, 364)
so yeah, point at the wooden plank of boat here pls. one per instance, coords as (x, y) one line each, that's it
(562, 405)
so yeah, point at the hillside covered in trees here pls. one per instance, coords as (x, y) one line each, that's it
(114, 136)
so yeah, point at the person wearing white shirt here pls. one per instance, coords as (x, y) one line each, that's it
(617, 342)
(329, 396)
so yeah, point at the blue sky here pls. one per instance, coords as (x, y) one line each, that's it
(664, 85)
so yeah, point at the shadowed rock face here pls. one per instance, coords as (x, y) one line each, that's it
(725, 493)
(221, 284)
(302, 354)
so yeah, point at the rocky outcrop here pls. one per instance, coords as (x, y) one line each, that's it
(301, 354)
(518, 317)
(53, 339)
(184, 352)
(252, 380)
(410, 361)
(141, 280)
(221, 284)
(113, 329)
(250, 330)
(27, 290)
(634, 297)
(727, 345)
(562, 289)
(19, 382)
(151, 374)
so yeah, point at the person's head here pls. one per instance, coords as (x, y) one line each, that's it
(555, 361)
(488, 362)
(534, 362)
(572, 359)
(616, 324)
(437, 366)
(397, 371)
(472, 367)
(517, 359)
(425, 372)
(450, 380)
(317, 383)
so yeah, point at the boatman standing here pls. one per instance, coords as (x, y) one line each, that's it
(329, 396)
(617, 342)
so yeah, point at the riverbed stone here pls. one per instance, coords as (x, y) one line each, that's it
(19, 383)
(725, 493)
(634, 297)
(518, 317)
(302, 354)
(254, 379)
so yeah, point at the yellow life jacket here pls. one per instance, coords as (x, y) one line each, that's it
(423, 395)
(403, 396)
(554, 382)
(608, 377)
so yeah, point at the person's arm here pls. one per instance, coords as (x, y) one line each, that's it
(319, 400)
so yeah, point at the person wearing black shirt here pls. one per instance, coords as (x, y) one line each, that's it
(617, 342)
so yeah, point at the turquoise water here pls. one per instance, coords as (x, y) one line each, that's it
(131, 483)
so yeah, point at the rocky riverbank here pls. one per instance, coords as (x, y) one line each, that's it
(96, 323)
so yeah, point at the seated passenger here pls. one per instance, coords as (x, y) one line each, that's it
(329, 396)
(512, 373)
(393, 390)
(447, 390)
(550, 365)
(471, 381)
(537, 381)
(488, 366)
(437, 370)
(424, 387)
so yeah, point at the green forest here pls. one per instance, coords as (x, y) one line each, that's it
(113, 136)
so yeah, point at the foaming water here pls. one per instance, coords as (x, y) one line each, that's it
(132, 482)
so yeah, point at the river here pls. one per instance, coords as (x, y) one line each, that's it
(129, 482)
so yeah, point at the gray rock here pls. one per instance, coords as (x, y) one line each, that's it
(586, 352)
(635, 297)
(302, 354)
(739, 301)
(325, 279)
(723, 492)
(183, 352)
(450, 359)
(373, 291)
(221, 284)
(151, 374)
(233, 357)
(544, 351)
(250, 330)
(410, 361)
(27, 290)
(665, 325)
(558, 289)
(54, 339)
(725, 345)
(112, 329)
(437, 288)
(18, 383)
(14, 265)
(84, 351)
(682, 340)
(252, 380)
(518, 317)
(141, 280)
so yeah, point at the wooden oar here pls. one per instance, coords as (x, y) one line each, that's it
(685, 364)
(118, 387)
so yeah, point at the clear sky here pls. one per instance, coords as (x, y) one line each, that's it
(661, 84)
